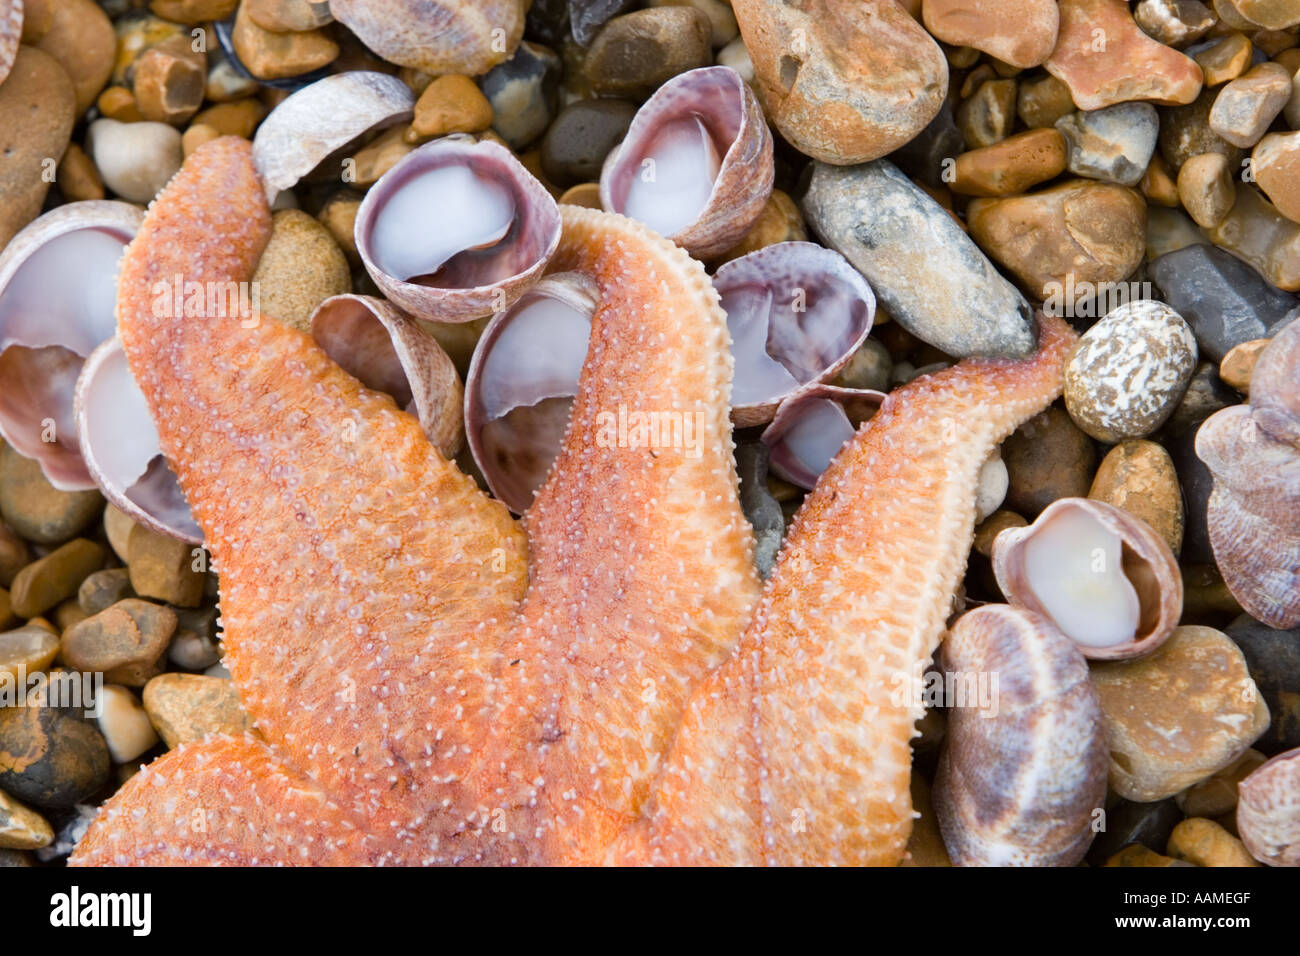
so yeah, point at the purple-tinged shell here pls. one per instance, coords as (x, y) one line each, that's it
(120, 446)
(1268, 811)
(812, 425)
(796, 312)
(696, 164)
(1102, 576)
(386, 350)
(522, 382)
(437, 36)
(1024, 765)
(11, 32)
(324, 119)
(457, 230)
(58, 294)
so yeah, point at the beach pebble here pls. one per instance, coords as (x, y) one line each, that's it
(1238, 366)
(735, 55)
(586, 17)
(929, 156)
(1246, 107)
(450, 104)
(1224, 59)
(923, 268)
(1011, 166)
(1174, 23)
(51, 756)
(238, 118)
(1169, 230)
(169, 81)
(1225, 301)
(22, 828)
(1185, 132)
(1138, 855)
(522, 94)
(135, 159)
(185, 708)
(1128, 823)
(34, 508)
(990, 486)
(103, 589)
(1139, 477)
(37, 111)
(582, 135)
(1253, 230)
(1127, 373)
(760, 508)
(1074, 236)
(339, 215)
(277, 56)
(14, 554)
(1042, 100)
(194, 646)
(117, 529)
(1206, 188)
(780, 221)
(1205, 843)
(992, 526)
(1104, 58)
(1019, 32)
(988, 115)
(26, 650)
(869, 368)
(1275, 163)
(226, 83)
(285, 16)
(81, 38)
(1273, 658)
(54, 578)
(1217, 795)
(638, 52)
(721, 19)
(118, 103)
(1157, 185)
(1113, 144)
(1273, 14)
(163, 567)
(77, 177)
(193, 11)
(1178, 715)
(1047, 458)
(125, 642)
(301, 267)
(378, 156)
(125, 725)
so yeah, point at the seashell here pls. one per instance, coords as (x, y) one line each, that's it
(437, 36)
(796, 312)
(1275, 386)
(389, 352)
(325, 119)
(1268, 811)
(812, 425)
(58, 291)
(522, 381)
(11, 32)
(1102, 576)
(696, 164)
(120, 445)
(1023, 772)
(495, 227)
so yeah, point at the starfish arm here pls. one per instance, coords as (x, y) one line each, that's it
(797, 749)
(226, 801)
(366, 583)
(641, 556)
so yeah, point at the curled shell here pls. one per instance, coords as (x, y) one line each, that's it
(326, 119)
(389, 352)
(1268, 811)
(11, 31)
(120, 446)
(696, 163)
(522, 381)
(1275, 386)
(437, 36)
(797, 313)
(58, 292)
(1022, 774)
(457, 230)
(1102, 576)
(812, 425)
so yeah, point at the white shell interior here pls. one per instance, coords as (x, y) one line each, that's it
(64, 293)
(758, 376)
(674, 178)
(538, 355)
(819, 434)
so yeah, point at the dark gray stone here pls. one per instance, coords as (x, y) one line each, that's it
(1205, 395)
(1224, 300)
(1273, 659)
(923, 157)
(547, 22)
(1196, 483)
(925, 270)
(581, 137)
(586, 17)
(762, 510)
(1127, 823)
(523, 92)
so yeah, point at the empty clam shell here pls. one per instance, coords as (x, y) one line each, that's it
(696, 164)
(437, 36)
(796, 312)
(389, 352)
(457, 230)
(812, 425)
(326, 119)
(522, 381)
(120, 445)
(58, 292)
(1102, 576)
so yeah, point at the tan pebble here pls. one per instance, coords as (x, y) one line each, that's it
(1048, 457)
(169, 81)
(301, 267)
(1011, 166)
(961, 57)
(46, 581)
(185, 708)
(164, 568)
(7, 616)
(1157, 185)
(584, 194)
(286, 16)
(197, 135)
(1135, 854)
(1217, 796)
(125, 642)
(379, 156)
(1255, 231)
(1245, 107)
(77, 176)
(925, 846)
(81, 38)
(193, 11)
(117, 528)
(37, 112)
(780, 221)
(1275, 164)
(1205, 843)
(38, 17)
(117, 102)
(989, 115)
(1272, 14)
(68, 614)
(1226, 60)
(20, 827)
(722, 21)
(14, 554)
(124, 723)
(1239, 364)
(1139, 477)
(450, 104)
(27, 650)
(637, 52)
(37, 510)
(994, 525)
(274, 56)
(1017, 32)
(1206, 188)
(339, 216)
(226, 84)
(238, 118)
(1179, 715)
(1041, 101)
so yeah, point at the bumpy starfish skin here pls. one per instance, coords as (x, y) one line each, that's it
(430, 690)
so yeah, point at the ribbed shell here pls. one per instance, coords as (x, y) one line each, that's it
(1268, 811)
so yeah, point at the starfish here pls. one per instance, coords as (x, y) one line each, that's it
(604, 682)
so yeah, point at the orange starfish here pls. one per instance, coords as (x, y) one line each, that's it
(434, 684)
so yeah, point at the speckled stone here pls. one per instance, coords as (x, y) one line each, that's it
(1139, 477)
(924, 269)
(301, 267)
(1047, 458)
(1114, 144)
(1127, 373)
(1273, 657)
